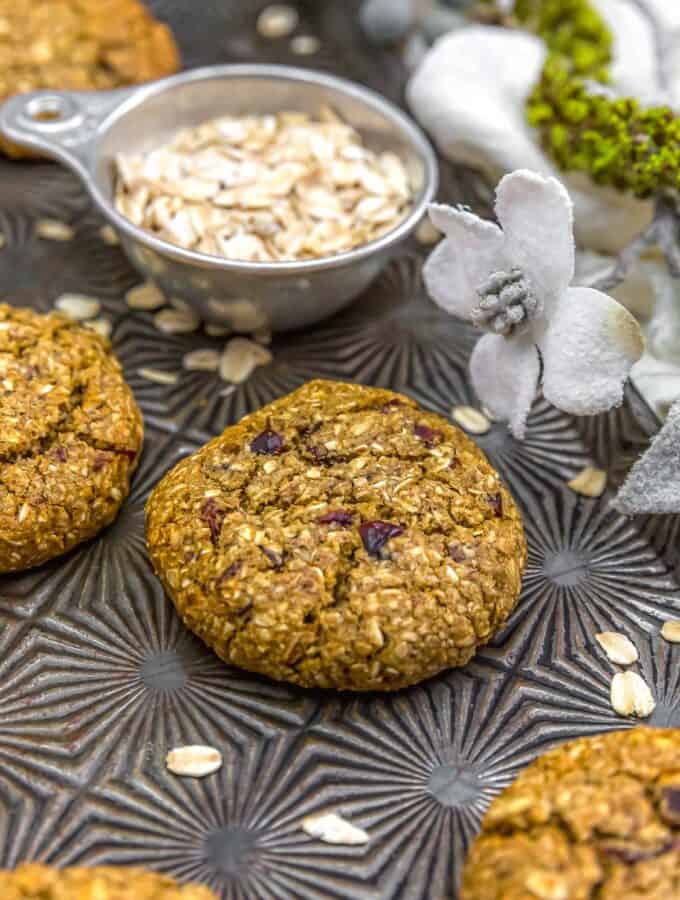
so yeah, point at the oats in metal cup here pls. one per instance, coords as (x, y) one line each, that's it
(265, 188)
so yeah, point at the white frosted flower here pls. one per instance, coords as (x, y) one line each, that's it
(514, 282)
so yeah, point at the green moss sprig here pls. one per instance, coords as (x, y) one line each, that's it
(616, 141)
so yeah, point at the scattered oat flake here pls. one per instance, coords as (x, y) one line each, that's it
(277, 21)
(101, 326)
(470, 419)
(671, 631)
(590, 482)
(206, 360)
(146, 296)
(78, 306)
(215, 330)
(195, 761)
(630, 695)
(426, 233)
(305, 45)
(176, 321)
(109, 236)
(54, 230)
(159, 376)
(240, 358)
(333, 829)
(619, 649)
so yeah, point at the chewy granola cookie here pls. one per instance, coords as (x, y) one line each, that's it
(596, 818)
(340, 537)
(70, 436)
(33, 881)
(79, 45)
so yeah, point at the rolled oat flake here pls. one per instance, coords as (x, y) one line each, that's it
(333, 829)
(194, 760)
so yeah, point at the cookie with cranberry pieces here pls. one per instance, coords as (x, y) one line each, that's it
(340, 537)
(596, 819)
(70, 436)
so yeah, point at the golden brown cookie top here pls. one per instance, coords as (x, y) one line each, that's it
(596, 818)
(58, 380)
(70, 435)
(339, 537)
(33, 881)
(81, 45)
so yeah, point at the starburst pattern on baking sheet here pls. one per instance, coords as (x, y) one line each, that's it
(237, 831)
(116, 680)
(98, 678)
(588, 570)
(35, 272)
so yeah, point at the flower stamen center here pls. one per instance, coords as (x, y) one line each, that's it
(507, 303)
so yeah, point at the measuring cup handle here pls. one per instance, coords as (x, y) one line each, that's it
(63, 125)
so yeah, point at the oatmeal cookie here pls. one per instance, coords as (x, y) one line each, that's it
(33, 881)
(70, 436)
(596, 818)
(340, 537)
(79, 45)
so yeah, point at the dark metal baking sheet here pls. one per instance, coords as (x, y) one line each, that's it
(98, 679)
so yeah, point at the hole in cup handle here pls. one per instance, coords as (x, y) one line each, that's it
(59, 124)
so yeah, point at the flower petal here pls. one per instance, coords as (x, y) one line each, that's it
(504, 373)
(588, 350)
(536, 214)
(460, 263)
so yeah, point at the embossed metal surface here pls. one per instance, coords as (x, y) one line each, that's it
(98, 679)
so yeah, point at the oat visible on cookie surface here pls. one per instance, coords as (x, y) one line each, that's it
(33, 881)
(340, 537)
(596, 819)
(80, 45)
(70, 436)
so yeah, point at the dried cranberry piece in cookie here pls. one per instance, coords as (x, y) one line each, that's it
(231, 570)
(376, 534)
(213, 516)
(496, 503)
(60, 454)
(386, 407)
(670, 805)
(100, 460)
(274, 558)
(427, 435)
(267, 442)
(130, 454)
(630, 853)
(336, 517)
(319, 454)
(457, 553)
